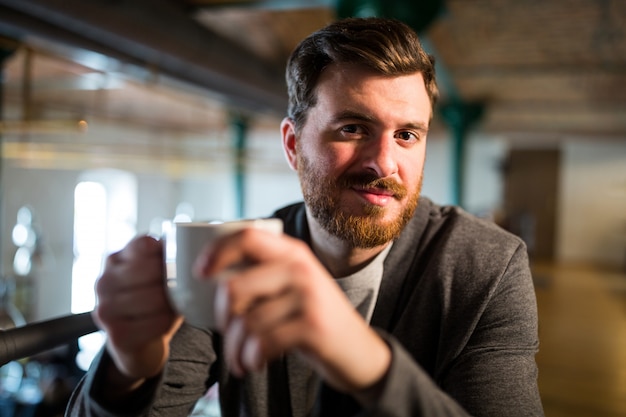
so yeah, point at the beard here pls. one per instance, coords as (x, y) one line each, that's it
(367, 230)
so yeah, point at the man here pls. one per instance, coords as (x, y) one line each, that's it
(376, 302)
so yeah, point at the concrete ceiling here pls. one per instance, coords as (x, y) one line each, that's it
(555, 67)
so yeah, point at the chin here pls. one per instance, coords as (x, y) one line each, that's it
(385, 214)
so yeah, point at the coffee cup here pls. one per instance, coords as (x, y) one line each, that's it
(190, 296)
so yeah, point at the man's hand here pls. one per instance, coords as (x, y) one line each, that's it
(284, 300)
(134, 311)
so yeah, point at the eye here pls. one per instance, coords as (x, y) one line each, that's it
(407, 136)
(349, 129)
(352, 130)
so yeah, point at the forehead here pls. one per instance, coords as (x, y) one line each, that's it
(352, 87)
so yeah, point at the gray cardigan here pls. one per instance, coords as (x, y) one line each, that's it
(456, 305)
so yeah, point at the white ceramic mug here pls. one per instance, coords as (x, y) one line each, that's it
(190, 296)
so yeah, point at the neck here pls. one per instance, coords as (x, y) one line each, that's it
(339, 257)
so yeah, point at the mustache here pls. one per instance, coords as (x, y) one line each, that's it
(371, 180)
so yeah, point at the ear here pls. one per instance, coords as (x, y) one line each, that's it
(288, 133)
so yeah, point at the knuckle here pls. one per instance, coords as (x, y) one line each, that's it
(113, 259)
(313, 322)
(269, 346)
(232, 288)
(143, 244)
(102, 285)
(101, 314)
(248, 233)
(230, 291)
(301, 273)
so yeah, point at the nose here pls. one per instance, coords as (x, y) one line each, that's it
(380, 156)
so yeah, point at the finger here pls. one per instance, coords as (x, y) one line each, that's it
(141, 246)
(245, 246)
(135, 303)
(260, 348)
(271, 312)
(269, 328)
(130, 279)
(245, 352)
(234, 336)
(252, 358)
(238, 290)
(130, 332)
(270, 320)
(261, 320)
(136, 265)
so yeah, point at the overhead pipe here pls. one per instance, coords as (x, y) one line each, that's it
(37, 337)
(239, 126)
(156, 34)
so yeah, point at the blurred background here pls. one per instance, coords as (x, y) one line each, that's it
(119, 117)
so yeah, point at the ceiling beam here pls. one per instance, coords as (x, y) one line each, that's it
(263, 4)
(157, 34)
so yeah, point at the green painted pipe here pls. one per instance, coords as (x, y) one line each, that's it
(239, 126)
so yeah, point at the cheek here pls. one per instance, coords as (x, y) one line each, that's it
(412, 170)
(342, 157)
(331, 160)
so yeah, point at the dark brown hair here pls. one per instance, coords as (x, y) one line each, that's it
(386, 46)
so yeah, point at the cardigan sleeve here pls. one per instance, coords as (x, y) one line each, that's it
(494, 374)
(84, 401)
(173, 393)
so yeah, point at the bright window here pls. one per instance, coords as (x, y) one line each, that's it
(105, 216)
(90, 221)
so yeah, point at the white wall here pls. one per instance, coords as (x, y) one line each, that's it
(482, 181)
(437, 170)
(271, 183)
(50, 195)
(592, 224)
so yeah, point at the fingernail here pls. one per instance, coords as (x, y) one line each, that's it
(220, 305)
(233, 336)
(200, 265)
(251, 354)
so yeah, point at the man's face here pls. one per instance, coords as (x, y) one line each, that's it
(360, 154)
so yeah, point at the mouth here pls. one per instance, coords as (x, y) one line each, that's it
(376, 196)
(372, 189)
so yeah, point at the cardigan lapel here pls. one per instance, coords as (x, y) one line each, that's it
(400, 262)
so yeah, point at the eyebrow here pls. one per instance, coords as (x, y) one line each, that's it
(351, 114)
(356, 115)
